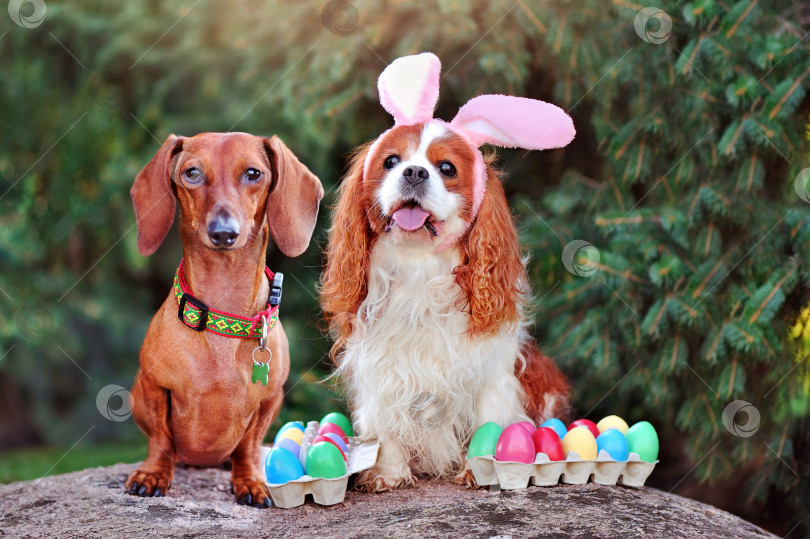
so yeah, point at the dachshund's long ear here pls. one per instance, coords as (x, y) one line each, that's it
(491, 273)
(153, 197)
(292, 206)
(344, 282)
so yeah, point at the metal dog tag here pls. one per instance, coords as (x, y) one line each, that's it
(261, 371)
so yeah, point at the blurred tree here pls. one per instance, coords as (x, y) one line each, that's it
(681, 176)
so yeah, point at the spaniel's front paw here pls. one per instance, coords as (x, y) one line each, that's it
(378, 479)
(466, 478)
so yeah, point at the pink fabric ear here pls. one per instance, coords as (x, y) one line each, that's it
(409, 88)
(514, 122)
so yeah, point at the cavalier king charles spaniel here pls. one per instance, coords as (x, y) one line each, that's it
(425, 288)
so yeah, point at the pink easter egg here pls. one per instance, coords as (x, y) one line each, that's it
(331, 427)
(515, 445)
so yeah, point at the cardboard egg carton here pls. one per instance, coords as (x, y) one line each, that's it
(362, 456)
(573, 471)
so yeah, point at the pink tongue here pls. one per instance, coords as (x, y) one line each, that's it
(410, 218)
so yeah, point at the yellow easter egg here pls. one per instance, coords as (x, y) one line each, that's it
(613, 422)
(581, 441)
(295, 435)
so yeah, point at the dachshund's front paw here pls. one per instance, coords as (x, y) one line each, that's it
(378, 479)
(252, 492)
(144, 483)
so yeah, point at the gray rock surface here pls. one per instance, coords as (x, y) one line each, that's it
(92, 503)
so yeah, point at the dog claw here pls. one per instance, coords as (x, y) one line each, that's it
(268, 503)
(232, 488)
(142, 491)
(245, 499)
(133, 488)
(158, 493)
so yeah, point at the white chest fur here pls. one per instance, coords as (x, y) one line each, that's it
(415, 376)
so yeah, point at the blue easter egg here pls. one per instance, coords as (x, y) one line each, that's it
(292, 424)
(282, 466)
(289, 445)
(557, 426)
(615, 443)
(339, 441)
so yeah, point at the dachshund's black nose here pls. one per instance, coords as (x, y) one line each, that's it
(415, 175)
(223, 230)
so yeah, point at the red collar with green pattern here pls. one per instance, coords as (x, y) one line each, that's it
(198, 316)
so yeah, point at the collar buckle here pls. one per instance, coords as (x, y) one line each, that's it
(188, 298)
(275, 289)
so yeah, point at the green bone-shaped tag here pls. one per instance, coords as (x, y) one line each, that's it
(261, 373)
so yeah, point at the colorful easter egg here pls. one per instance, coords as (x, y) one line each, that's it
(291, 425)
(339, 441)
(324, 459)
(581, 441)
(587, 423)
(483, 442)
(643, 439)
(282, 466)
(515, 445)
(321, 438)
(612, 422)
(614, 442)
(293, 434)
(331, 427)
(340, 420)
(289, 445)
(546, 441)
(557, 425)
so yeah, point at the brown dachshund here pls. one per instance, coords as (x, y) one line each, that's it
(194, 395)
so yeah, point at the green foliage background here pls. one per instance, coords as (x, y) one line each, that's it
(681, 176)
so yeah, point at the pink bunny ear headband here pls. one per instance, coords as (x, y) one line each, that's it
(409, 90)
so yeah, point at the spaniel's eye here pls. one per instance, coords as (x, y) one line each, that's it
(390, 162)
(253, 174)
(447, 169)
(193, 175)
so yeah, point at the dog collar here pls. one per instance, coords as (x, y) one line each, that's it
(199, 317)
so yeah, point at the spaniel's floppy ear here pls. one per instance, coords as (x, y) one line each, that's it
(343, 283)
(292, 205)
(514, 122)
(153, 197)
(492, 273)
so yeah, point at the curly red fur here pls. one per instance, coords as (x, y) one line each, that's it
(344, 283)
(491, 273)
(545, 386)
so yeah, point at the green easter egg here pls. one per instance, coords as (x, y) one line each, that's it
(484, 440)
(324, 460)
(643, 440)
(336, 418)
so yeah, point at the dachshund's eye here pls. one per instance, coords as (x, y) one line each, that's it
(253, 174)
(390, 162)
(193, 174)
(447, 169)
